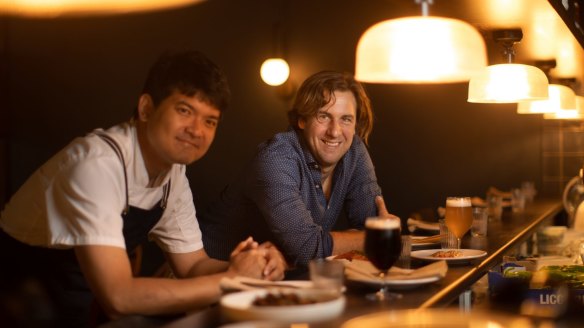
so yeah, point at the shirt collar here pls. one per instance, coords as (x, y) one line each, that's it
(139, 167)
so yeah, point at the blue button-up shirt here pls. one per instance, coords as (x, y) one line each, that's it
(279, 198)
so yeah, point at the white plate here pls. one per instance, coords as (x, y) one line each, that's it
(364, 272)
(394, 284)
(467, 255)
(238, 307)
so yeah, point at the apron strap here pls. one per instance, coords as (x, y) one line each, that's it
(112, 143)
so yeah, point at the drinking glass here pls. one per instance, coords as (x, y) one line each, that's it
(383, 248)
(458, 216)
(479, 223)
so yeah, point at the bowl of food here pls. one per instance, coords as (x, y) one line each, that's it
(283, 305)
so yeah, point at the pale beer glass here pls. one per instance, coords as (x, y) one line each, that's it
(458, 217)
(383, 248)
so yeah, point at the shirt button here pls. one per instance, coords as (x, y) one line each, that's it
(317, 186)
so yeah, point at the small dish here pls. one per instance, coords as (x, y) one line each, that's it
(363, 272)
(239, 307)
(393, 284)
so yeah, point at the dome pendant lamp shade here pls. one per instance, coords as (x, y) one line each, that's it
(53, 8)
(568, 114)
(420, 50)
(561, 97)
(508, 83)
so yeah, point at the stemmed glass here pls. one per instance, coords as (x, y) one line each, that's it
(458, 217)
(382, 248)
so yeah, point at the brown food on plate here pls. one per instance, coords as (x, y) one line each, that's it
(450, 253)
(271, 299)
(351, 255)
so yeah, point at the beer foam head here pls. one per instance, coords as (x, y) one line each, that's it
(458, 202)
(382, 223)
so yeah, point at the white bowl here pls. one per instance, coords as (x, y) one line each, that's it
(239, 307)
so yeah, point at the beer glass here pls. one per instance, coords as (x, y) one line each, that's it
(383, 248)
(458, 217)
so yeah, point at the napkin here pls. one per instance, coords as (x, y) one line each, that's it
(414, 224)
(239, 283)
(366, 270)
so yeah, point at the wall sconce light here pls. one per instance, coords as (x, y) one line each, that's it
(275, 71)
(55, 8)
(508, 83)
(420, 49)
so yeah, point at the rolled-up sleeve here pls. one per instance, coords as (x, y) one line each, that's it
(178, 230)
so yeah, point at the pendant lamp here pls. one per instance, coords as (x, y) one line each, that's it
(508, 83)
(560, 98)
(52, 8)
(568, 114)
(420, 50)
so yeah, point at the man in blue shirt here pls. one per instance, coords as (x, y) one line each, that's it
(300, 181)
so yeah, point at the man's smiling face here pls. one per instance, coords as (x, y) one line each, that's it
(329, 134)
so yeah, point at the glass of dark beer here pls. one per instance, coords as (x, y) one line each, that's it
(383, 248)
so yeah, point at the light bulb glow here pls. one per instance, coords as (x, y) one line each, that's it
(568, 114)
(560, 98)
(508, 83)
(275, 71)
(53, 8)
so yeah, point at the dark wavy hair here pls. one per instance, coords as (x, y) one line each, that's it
(191, 73)
(318, 90)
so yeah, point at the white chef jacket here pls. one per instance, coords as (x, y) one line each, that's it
(77, 197)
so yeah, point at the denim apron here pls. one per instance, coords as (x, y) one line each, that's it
(58, 271)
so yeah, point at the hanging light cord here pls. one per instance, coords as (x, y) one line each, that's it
(425, 6)
(507, 38)
(509, 52)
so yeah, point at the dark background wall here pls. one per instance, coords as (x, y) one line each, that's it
(63, 77)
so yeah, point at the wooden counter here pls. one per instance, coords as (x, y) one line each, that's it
(503, 237)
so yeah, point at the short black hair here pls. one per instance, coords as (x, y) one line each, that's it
(191, 73)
